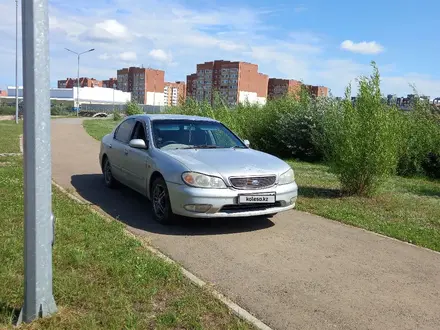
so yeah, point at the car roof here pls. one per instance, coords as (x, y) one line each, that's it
(153, 117)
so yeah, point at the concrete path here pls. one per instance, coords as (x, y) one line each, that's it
(294, 271)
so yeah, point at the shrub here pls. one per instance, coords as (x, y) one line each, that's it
(6, 110)
(132, 108)
(297, 125)
(117, 115)
(60, 110)
(421, 134)
(361, 142)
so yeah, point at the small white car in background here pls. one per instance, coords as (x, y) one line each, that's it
(195, 167)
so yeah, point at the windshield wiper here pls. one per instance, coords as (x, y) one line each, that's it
(202, 146)
(238, 147)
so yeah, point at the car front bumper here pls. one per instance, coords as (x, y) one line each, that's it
(224, 202)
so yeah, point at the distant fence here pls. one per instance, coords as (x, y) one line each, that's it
(108, 108)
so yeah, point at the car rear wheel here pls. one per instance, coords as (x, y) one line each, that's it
(161, 202)
(109, 180)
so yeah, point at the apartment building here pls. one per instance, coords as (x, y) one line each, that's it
(110, 83)
(174, 93)
(280, 87)
(191, 86)
(83, 82)
(146, 85)
(235, 82)
(316, 91)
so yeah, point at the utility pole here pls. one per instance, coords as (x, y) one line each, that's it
(16, 61)
(114, 87)
(38, 222)
(77, 75)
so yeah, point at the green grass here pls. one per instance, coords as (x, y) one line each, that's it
(103, 279)
(9, 136)
(97, 128)
(408, 209)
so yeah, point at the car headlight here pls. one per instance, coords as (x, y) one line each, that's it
(287, 177)
(200, 180)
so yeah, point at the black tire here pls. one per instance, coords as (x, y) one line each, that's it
(109, 180)
(160, 201)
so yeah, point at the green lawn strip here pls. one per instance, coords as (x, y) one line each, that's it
(97, 128)
(103, 279)
(408, 209)
(9, 136)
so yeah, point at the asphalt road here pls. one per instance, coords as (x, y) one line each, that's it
(294, 271)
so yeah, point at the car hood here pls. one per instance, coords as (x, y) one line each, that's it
(229, 162)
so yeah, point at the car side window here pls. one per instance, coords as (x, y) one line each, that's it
(139, 131)
(124, 130)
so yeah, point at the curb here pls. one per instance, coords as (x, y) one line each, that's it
(233, 307)
(11, 154)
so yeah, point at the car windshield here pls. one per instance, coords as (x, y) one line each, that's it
(193, 134)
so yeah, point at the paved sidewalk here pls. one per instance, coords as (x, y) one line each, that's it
(294, 271)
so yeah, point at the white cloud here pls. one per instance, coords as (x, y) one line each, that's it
(108, 31)
(128, 56)
(123, 57)
(160, 55)
(364, 47)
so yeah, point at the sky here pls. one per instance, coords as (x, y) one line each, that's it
(319, 42)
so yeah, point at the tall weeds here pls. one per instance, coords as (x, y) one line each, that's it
(361, 141)
(364, 143)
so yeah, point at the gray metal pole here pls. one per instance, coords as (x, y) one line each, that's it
(16, 61)
(38, 224)
(77, 75)
(77, 92)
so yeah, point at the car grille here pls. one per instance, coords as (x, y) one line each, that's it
(236, 208)
(254, 182)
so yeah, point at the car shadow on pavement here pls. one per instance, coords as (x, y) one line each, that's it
(135, 210)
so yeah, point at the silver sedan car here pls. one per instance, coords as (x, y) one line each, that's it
(195, 167)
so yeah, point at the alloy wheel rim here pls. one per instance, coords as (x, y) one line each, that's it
(108, 172)
(159, 201)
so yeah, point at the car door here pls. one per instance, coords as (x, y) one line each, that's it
(118, 149)
(138, 161)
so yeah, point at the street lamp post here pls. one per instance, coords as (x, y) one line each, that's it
(16, 61)
(77, 77)
(114, 86)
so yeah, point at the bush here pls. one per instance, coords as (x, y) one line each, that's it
(296, 127)
(132, 108)
(117, 115)
(361, 142)
(6, 110)
(421, 133)
(60, 110)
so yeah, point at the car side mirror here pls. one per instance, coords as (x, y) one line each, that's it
(138, 144)
(247, 143)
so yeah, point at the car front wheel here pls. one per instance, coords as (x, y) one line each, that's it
(109, 180)
(161, 202)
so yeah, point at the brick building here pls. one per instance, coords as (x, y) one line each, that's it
(146, 85)
(280, 87)
(316, 91)
(235, 82)
(174, 93)
(83, 82)
(191, 86)
(110, 83)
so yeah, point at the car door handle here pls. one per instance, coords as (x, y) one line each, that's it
(126, 151)
(110, 146)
